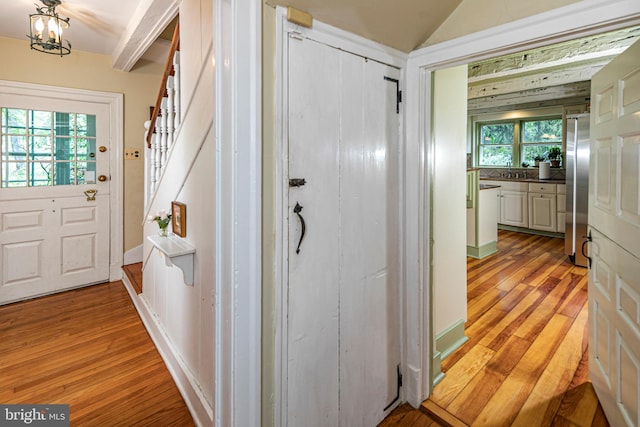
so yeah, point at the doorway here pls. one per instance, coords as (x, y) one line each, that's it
(59, 181)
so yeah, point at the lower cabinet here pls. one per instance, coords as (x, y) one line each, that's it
(543, 213)
(513, 208)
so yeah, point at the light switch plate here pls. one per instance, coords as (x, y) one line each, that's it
(132, 154)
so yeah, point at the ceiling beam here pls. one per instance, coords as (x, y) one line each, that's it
(150, 19)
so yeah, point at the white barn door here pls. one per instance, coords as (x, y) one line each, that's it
(614, 226)
(343, 325)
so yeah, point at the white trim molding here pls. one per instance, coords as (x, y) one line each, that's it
(576, 20)
(114, 103)
(238, 156)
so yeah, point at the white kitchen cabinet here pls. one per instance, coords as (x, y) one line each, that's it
(562, 207)
(543, 214)
(513, 208)
(543, 207)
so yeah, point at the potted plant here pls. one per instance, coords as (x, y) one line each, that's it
(555, 155)
(537, 159)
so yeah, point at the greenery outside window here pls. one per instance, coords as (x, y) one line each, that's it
(46, 148)
(514, 142)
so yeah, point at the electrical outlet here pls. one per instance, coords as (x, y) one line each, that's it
(132, 154)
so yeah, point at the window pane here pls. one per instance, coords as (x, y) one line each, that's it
(495, 156)
(497, 134)
(14, 174)
(14, 121)
(40, 147)
(86, 149)
(530, 151)
(542, 131)
(40, 174)
(14, 147)
(86, 125)
(65, 124)
(65, 149)
(40, 123)
(64, 173)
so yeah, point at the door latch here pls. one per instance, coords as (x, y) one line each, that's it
(297, 182)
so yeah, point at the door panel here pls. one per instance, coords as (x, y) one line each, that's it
(343, 305)
(614, 222)
(614, 307)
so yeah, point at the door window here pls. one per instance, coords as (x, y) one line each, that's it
(46, 148)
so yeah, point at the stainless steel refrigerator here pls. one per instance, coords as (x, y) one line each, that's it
(577, 168)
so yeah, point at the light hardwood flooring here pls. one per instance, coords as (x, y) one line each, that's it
(525, 363)
(89, 349)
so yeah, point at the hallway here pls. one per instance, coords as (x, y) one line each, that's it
(87, 348)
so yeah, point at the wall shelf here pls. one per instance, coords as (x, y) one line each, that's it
(177, 252)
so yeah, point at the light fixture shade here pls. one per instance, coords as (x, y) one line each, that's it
(46, 29)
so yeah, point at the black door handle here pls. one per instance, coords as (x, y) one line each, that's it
(297, 209)
(584, 243)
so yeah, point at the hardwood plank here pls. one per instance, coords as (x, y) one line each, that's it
(406, 416)
(480, 390)
(442, 416)
(545, 398)
(505, 404)
(460, 374)
(134, 273)
(89, 349)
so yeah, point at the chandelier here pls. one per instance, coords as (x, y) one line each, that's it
(45, 29)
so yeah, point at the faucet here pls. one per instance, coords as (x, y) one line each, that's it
(509, 173)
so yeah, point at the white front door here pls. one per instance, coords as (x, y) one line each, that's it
(54, 195)
(614, 227)
(344, 227)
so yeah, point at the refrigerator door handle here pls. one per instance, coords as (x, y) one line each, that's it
(584, 243)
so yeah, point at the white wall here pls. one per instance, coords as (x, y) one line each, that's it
(185, 313)
(449, 200)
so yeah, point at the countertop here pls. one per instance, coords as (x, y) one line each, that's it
(488, 186)
(538, 181)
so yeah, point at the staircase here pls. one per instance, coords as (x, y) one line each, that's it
(161, 130)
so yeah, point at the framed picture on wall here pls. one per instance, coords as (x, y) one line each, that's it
(179, 219)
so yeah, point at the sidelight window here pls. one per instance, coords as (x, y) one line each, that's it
(46, 148)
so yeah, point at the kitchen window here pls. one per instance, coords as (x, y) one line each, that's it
(517, 142)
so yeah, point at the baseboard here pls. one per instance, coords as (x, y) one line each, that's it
(133, 256)
(530, 231)
(200, 409)
(436, 368)
(451, 339)
(479, 252)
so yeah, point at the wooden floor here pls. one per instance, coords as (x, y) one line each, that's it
(525, 363)
(89, 349)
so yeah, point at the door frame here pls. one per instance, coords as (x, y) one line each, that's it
(114, 102)
(576, 20)
(345, 41)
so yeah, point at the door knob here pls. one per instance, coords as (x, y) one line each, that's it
(102, 148)
(102, 178)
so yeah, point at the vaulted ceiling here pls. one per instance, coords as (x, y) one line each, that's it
(401, 24)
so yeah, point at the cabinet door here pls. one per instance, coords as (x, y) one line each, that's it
(513, 208)
(542, 212)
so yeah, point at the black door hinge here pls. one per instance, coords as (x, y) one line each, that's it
(398, 385)
(398, 92)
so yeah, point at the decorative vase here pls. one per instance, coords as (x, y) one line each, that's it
(162, 232)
